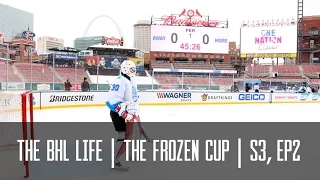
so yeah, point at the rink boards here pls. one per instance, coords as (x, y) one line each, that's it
(48, 100)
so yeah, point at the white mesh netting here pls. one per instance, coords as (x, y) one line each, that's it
(11, 130)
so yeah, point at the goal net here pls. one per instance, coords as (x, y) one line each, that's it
(16, 123)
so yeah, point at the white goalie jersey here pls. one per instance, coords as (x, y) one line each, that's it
(122, 90)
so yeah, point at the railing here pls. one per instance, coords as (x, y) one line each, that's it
(173, 79)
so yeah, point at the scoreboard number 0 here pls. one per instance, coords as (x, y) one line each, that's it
(174, 37)
(205, 38)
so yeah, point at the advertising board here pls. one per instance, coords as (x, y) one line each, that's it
(173, 96)
(295, 97)
(189, 39)
(310, 97)
(139, 63)
(269, 40)
(65, 99)
(214, 97)
(13, 86)
(48, 100)
(285, 97)
(76, 87)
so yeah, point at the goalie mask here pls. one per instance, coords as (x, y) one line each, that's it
(129, 68)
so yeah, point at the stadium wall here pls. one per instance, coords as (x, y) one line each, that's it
(51, 100)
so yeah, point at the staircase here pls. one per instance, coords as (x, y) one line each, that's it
(17, 72)
(57, 74)
(89, 76)
(301, 70)
(270, 69)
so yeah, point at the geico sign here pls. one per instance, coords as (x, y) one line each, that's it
(252, 97)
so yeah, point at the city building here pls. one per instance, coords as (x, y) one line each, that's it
(45, 42)
(234, 52)
(83, 43)
(14, 21)
(142, 33)
(310, 46)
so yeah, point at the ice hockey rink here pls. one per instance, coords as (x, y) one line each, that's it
(186, 113)
(293, 112)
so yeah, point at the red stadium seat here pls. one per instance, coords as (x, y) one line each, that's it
(167, 80)
(12, 74)
(222, 81)
(40, 72)
(224, 66)
(287, 70)
(311, 70)
(70, 73)
(315, 81)
(161, 64)
(258, 70)
(195, 81)
(193, 65)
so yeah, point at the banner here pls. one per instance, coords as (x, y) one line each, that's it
(65, 57)
(76, 87)
(139, 63)
(270, 55)
(114, 62)
(280, 40)
(13, 86)
(92, 60)
(43, 87)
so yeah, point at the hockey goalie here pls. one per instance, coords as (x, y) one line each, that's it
(122, 101)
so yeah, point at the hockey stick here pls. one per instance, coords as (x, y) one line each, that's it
(142, 132)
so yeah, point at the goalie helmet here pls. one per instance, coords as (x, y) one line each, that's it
(129, 68)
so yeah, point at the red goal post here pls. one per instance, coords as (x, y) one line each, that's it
(16, 123)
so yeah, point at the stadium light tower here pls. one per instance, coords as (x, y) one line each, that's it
(299, 30)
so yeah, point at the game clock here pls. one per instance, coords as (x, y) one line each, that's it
(189, 39)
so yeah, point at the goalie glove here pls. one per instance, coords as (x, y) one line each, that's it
(126, 110)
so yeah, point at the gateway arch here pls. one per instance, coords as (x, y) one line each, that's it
(103, 16)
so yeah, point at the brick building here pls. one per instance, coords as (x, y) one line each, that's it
(234, 52)
(310, 50)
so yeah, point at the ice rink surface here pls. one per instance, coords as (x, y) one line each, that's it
(191, 113)
(186, 113)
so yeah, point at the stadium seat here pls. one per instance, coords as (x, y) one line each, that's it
(167, 80)
(192, 65)
(315, 81)
(222, 81)
(258, 70)
(12, 75)
(196, 81)
(69, 73)
(311, 70)
(160, 64)
(40, 72)
(287, 70)
(224, 66)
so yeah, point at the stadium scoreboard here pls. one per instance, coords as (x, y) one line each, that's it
(189, 39)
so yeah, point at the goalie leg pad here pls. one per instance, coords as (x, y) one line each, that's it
(119, 145)
(128, 136)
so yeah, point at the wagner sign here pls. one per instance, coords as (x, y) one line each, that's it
(278, 39)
